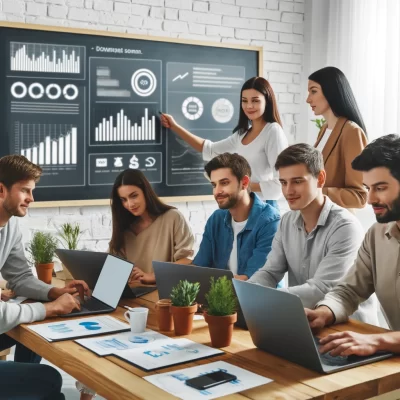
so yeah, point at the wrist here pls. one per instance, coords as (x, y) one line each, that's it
(51, 309)
(327, 315)
(52, 295)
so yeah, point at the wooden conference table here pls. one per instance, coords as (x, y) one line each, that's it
(113, 378)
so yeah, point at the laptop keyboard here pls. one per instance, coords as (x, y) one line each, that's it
(327, 359)
(91, 304)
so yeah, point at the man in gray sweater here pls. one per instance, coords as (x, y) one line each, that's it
(18, 177)
(317, 241)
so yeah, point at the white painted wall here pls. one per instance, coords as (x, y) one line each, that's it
(275, 25)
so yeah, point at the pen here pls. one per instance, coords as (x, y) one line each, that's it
(129, 308)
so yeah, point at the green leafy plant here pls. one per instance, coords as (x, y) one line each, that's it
(319, 122)
(184, 293)
(221, 298)
(70, 235)
(42, 247)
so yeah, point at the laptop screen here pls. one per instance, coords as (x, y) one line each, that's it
(112, 280)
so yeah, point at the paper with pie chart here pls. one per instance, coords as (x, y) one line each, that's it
(82, 327)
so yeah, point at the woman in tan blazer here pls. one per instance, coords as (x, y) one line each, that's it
(342, 138)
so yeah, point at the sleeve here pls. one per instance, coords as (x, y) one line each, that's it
(204, 257)
(355, 287)
(262, 247)
(18, 274)
(353, 195)
(212, 149)
(274, 269)
(340, 255)
(183, 238)
(276, 142)
(12, 315)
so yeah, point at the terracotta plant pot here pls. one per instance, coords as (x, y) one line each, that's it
(45, 272)
(164, 316)
(183, 319)
(220, 328)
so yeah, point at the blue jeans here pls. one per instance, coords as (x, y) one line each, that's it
(26, 379)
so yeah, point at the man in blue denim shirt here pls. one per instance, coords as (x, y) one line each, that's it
(239, 235)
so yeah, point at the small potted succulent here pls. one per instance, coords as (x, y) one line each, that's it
(42, 249)
(220, 313)
(183, 306)
(69, 238)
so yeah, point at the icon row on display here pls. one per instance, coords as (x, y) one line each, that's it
(133, 162)
(222, 109)
(36, 91)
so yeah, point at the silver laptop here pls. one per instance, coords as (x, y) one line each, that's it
(277, 324)
(108, 289)
(169, 274)
(87, 265)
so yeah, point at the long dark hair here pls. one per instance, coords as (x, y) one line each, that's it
(122, 219)
(271, 113)
(337, 91)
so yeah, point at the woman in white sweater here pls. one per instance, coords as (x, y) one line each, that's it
(258, 137)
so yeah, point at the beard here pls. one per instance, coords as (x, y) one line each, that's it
(12, 209)
(392, 214)
(232, 200)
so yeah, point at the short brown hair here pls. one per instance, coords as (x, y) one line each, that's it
(301, 153)
(15, 168)
(238, 164)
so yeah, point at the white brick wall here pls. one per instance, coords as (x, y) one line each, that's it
(275, 25)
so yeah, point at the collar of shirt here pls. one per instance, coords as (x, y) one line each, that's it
(253, 216)
(323, 216)
(393, 230)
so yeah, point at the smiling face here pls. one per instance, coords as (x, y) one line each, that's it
(253, 104)
(299, 186)
(383, 194)
(316, 98)
(15, 201)
(227, 190)
(132, 198)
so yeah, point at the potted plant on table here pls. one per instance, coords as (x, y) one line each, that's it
(42, 249)
(69, 237)
(221, 314)
(183, 306)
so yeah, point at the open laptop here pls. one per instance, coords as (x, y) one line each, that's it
(277, 324)
(87, 265)
(108, 289)
(169, 274)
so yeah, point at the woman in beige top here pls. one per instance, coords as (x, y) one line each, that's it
(146, 229)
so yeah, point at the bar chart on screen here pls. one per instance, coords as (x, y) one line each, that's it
(135, 126)
(51, 58)
(48, 144)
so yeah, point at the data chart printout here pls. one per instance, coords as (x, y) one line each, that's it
(85, 107)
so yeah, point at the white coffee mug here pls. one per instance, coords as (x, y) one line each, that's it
(137, 317)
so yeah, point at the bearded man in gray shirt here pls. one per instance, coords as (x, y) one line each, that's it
(317, 241)
(18, 177)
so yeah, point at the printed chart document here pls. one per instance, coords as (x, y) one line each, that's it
(174, 382)
(164, 353)
(74, 328)
(107, 345)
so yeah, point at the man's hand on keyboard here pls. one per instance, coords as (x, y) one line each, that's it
(348, 343)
